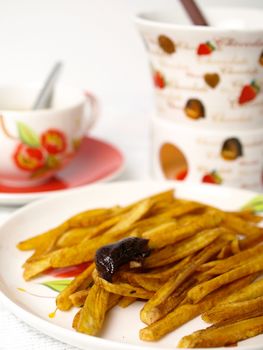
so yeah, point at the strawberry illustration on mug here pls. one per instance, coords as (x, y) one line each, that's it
(205, 49)
(249, 92)
(159, 80)
(212, 177)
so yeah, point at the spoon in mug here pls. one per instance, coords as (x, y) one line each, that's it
(44, 98)
(194, 12)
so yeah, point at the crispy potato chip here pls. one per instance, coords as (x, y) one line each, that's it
(223, 336)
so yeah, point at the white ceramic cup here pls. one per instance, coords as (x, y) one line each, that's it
(36, 144)
(207, 76)
(223, 157)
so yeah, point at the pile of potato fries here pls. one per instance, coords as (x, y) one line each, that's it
(203, 261)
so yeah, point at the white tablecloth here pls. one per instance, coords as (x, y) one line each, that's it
(128, 129)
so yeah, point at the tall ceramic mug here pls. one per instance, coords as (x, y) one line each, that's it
(221, 157)
(35, 144)
(207, 76)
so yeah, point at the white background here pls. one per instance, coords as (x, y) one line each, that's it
(96, 39)
(102, 51)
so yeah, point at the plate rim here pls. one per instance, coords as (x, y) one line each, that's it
(70, 336)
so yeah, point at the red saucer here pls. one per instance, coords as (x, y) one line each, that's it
(95, 161)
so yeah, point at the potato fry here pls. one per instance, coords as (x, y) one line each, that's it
(123, 289)
(137, 212)
(234, 261)
(161, 239)
(74, 235)
(175, 299)
(113, 300)
(251, 266)
(93, 313)
(202, 260)
(241, 226)
(126, 301)
(37, 241)
(223, 336)
(151, 284)
(91, 217)
(181, 250)
(180, 210)
(78, 298)
(187, 312)
(33, 269)
(235, 249)
(75, 321)
(86, 250)
(63, 299)
(251, 241)
(248, 215)
(254, 290)
(237, 311)
(207, 266)
(150, 311)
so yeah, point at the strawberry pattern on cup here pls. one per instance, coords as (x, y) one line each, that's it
(39, 154)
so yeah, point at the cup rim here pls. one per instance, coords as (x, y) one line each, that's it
(144, 19)
(42, 111)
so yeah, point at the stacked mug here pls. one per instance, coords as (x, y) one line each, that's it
(208, 81)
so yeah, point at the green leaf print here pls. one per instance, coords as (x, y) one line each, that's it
(57, 285)
(27, 135)
(255, 204)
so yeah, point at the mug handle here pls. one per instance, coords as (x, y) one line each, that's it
(94, 110)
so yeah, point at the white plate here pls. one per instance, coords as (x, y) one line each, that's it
(122, 326)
